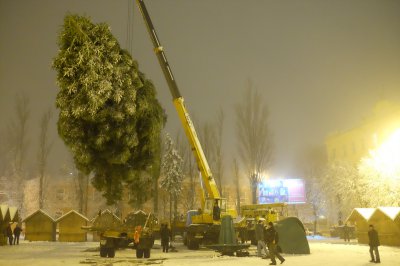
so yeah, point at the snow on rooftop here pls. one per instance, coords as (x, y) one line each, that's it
(3, 211)
(70, 212)
(365, 212)
(13, 213)
(391, 212)
(39, 211)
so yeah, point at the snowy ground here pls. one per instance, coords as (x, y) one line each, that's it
(324, 252)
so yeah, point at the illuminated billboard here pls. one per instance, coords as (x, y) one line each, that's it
(282, 190)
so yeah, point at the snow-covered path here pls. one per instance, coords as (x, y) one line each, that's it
(328, 252)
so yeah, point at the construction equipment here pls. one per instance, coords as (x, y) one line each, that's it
(204, 228)
(251, 213)
(137, 227)
(292, 234)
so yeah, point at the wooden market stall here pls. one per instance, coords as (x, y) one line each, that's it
(39, 226)
(384, 221)
(359, 218)
(70, 227)
(4, 222)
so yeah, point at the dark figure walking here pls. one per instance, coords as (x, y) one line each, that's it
(259, 232)
(346, 233)
(373, 244)
(9, 234)
(165, 233)
(216, 211)
(17, 232)
(272, 239)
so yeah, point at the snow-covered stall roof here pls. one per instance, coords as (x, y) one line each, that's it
(391, 212)
(72, 212)
(107, 211)
(35, 213)
(14, 215)
(140, 212)
(4, 212)
(366, 213)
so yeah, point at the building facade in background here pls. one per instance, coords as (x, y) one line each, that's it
(352, 145)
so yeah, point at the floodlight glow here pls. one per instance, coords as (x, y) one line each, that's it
(386, 158)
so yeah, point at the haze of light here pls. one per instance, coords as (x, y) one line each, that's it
(385, 160)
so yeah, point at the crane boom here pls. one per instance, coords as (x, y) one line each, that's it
(183, 114)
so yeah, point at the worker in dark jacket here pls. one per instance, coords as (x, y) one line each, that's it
(165, 233)
(17, 232)
(272, 239)
(346, 233)
(259, 234)
(373, 244)
(216, 211)
(9, 234)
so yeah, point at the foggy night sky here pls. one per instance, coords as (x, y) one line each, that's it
(320, 65)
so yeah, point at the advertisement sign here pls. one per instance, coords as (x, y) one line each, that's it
(282, 190)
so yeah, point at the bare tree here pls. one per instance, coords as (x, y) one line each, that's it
(254, 137)
(313, 164)
(237, 183)
(211, 135)
(81, 184)
(43, 153)
(17, 146)
(190, 170)
(17, 133)
(3, 154)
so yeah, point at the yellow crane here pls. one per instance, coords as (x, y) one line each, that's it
(203, 228)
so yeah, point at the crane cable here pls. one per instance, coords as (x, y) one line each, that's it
(129, 27)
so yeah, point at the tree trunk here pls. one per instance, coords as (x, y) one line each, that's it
(83, 189)
(170, 211)
(315, 219)
(155, 196)
(41, 194)
(254, 184)
(237, 183)
(86, 196)
(175, 216)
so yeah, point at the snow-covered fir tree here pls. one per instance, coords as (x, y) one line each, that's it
(172, 172)
(109, 115)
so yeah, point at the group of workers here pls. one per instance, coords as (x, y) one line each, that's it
(13, 235)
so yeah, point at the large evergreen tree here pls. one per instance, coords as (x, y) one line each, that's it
(109, 115)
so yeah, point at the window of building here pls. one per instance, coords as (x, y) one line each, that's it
(60, 194)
